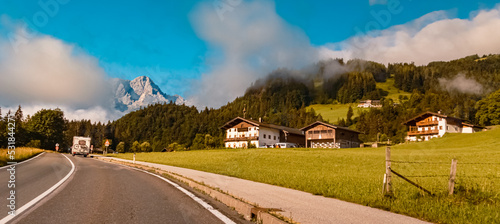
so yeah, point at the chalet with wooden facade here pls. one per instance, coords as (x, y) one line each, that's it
(241, 132)
(430, 125)
(323, 135)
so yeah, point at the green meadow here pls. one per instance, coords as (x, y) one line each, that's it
(334, 112)
(392, 92)
(356, 175)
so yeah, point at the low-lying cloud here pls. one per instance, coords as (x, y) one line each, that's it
(461, 84)
(249, 40)
(433, 37)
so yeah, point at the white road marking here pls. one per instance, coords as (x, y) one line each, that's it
(41, 196)
(3, 167)
(205, 205)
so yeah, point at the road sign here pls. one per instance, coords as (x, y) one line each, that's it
(57, 144)
(107, 143)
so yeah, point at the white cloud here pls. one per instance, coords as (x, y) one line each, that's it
(434, 37)
(252, 40)
(42, 70)
(462, 84)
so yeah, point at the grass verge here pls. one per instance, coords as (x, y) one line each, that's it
(22, 153)
(355, 175)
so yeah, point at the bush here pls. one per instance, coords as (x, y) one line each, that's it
(175, 147)
(135, 147)
(34, 144)
(120, 147)
(146, 147)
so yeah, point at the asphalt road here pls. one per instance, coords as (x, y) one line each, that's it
(100, 192)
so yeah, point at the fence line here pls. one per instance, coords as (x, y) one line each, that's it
(387, 185)
(444, 163)
(430, 176)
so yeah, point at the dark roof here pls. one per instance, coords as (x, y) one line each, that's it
(471, 125)
(237, 120)
(423, 115)
(328, 125)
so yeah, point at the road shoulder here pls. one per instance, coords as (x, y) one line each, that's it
(288, 204)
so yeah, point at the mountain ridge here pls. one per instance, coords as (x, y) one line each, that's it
(140, 92)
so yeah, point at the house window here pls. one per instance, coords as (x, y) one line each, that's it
(310, 132)
(264, 135)
(275, 137)
(440, 127)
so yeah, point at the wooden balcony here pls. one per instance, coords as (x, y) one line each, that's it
(428, 132)
(427, 123)
(317, 136)
(241, 139)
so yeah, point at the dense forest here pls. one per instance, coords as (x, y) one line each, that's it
(467, 88)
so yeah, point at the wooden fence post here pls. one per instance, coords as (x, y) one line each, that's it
(388, 188)
(453, 174)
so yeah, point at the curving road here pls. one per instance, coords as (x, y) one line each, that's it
(100, 192)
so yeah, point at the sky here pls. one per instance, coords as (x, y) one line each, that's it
(59, 53)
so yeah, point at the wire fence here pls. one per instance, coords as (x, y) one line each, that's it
(435, 175)
(448, 163)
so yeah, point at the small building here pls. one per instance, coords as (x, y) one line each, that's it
(241, 132)
(323, 135)
(430, 125)
(369, 103)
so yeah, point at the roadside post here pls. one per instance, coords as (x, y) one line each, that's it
(134, 158)
(107, 145)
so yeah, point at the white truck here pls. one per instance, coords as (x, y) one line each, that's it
(81, 146)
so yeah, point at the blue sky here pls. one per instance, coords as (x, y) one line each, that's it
(132, 37)
(159, 38)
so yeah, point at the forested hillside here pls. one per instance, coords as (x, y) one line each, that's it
(463, 88)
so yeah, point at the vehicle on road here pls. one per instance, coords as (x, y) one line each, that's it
(285, 145)
(81, 146)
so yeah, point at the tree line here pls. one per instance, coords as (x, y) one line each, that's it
(282, 98)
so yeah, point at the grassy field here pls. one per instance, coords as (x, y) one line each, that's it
(21, 154)
(333, 112)
(356, 174)
(393, 92)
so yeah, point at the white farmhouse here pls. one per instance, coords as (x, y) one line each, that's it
(241, 132)
(430, 125)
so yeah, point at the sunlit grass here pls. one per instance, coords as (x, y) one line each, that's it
(356, 174)
(393, 92)
(334, 112)
(21, 154)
